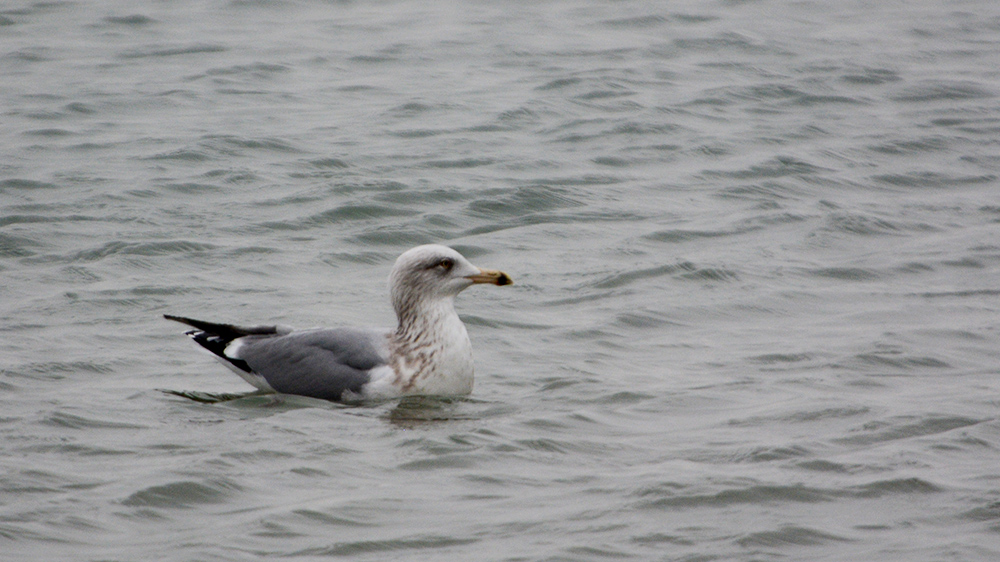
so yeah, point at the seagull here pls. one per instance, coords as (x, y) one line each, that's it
(428, 353)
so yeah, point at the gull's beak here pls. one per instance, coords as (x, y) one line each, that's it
(490, 276)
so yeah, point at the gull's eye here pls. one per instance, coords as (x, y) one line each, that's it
(446, 264)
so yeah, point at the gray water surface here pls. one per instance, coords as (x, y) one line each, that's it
(755, 245)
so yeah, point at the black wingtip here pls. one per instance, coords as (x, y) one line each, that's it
(189, 321)
(213, 337)
(225, 331)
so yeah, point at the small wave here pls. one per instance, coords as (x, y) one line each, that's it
(656, 539)
(396, 236)
(436, 463)
(769, 192)
(37, 481)
(893, 430)
(990, 512)
(980, 126)
(608, 91)
(354, 212)
(771, 94)
(257, 71)
(50, 132)
(961, 294)
(779, 358)
(80, 108)
(183, 494)
(710, 274)
(809, 100)
(460, 163)
(944, 91)
(29, 55)
(329, 163)
(269, 144)
(801, 416)
(513, 119)
(933, 179)
(684, 270)
(671, 496)
(966, 262)
(871, 76)
(622, 397)
(173, 51)
(142, 249)
(58, 369)
(630, 129)
(753, 494)
(677, 235)
(916, 146)
(543, 445)
(417, 133)
(19, 183)
(523, 200)
(846, 273)
(134, 20)
(373, 59)
(183, 155)
(187, 188)
(897, 360)
(217, 147)
(17, 246)
(357, 548)
(413, 108)
(326, 519)
(864, 225)
(788, 536)
(628, 277)
(894, 486)
(74, 449)
(613, 161)
(66, 420)
(642, 320)
(770, 454)
(558, 84)
(637, 22)
(820, 465)
(727, 42)
(775, 168)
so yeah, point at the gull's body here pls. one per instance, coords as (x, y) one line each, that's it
(428, 353)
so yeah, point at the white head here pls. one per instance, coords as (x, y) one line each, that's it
(431, 273)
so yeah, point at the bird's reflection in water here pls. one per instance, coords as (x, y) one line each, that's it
(409, 412)
(416, 411)
(215, 397)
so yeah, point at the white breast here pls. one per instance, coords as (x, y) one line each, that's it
(437, 362)
(450, 371)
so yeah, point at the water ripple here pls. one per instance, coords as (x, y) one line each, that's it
(879, 432)
(789, 536)
(387, 546)
(185, 494)
(173, 50)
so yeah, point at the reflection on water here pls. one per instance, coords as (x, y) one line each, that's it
(217, 397)
(413, 412)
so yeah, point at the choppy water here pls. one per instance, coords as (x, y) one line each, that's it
(755, 247)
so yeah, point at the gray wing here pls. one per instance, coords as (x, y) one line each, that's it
(318, 363)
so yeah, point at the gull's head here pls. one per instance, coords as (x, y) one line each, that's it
(433, 272)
